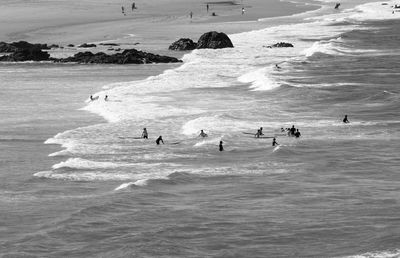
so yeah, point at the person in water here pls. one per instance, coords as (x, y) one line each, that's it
(221, 148)
(274, 143)
(277, 66)
(106, 98)
(259, 132)
(145, 135)
(292, 130)
(159, 139)
(345, 120)
(297, 133)
(203, 134)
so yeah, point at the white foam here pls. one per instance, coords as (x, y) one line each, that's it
(141, 182)
(379, 254)
(79, 163)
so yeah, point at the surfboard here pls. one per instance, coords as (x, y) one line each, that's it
(249, 133)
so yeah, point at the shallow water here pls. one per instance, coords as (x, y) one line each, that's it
(333, 192)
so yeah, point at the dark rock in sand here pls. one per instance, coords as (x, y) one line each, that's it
(129, 56)
(85, 45)
(183, 44)
(214, 40)
(281, 44)
(20, 45)
(70, 45)
(109, 44)
(29, 54)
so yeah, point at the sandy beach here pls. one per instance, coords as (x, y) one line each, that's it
(60, 22)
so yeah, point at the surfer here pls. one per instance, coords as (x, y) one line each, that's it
(106, 98)
(292, 130)
(345, 120)
(297, 133)
(337, 6)
(274, 143)
(159, 139)
(203, 134)
(145, 135)
(91, 97)
(221, 148)
(259, 133)
(277, 66)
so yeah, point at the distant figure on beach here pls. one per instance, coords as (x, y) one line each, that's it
(221, 148)
(277, 66)
(106, 98)
(202, 134)
(208, 7)
(213, 14)
(123, 10)
(159, 139)
(242, 10)
(145, 135)
(345, 120)
(337, 5)
(297, 134)
(133, 6)
(191, 14)
(274, 143)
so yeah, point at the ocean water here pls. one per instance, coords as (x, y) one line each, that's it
(333, 192)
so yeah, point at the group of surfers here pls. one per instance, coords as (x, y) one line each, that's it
(291, 132)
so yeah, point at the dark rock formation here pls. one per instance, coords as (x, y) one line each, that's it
(129, 56)
(109, 44)
(214, 40)
(85, 45)
(183, 44)
(20, 45)
(28, 54)
(281, 44)
(70, 45)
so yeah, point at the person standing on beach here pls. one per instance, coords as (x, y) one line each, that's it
(123, 10)
(242, 10)
(221, 148)
(133, 6)
(191, 14)
(345, 120)
(208, 7)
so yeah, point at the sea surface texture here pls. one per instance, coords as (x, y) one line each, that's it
(333, 192)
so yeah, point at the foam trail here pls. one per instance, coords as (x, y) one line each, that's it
(141, 182)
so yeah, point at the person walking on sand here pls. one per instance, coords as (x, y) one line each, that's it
(145, 135)
(243, 10)
(159, 139)
(221, 148)
(345, 120)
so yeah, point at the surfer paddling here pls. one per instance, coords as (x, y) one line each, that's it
(159, 139)
(203, 134)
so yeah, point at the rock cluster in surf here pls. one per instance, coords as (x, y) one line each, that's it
(210, 39)
(24, 51)
(281, 44)
(128, 56)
